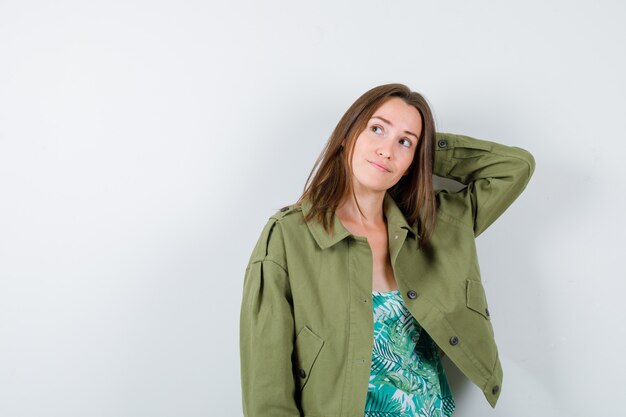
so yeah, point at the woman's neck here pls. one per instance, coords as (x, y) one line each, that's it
(371, 205)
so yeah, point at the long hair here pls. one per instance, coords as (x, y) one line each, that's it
(413, 193)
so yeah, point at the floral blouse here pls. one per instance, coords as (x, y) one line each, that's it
(407, 378)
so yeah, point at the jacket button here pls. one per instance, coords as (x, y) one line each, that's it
(284, 208)
(495, 389)
(302, 373)
(412, 294)
(443, 143)
(487, 312)
(454, 340)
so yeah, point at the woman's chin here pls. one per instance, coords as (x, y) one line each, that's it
(373, 186)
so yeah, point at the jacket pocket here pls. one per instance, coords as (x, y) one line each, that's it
(476, 299)
(308, 347)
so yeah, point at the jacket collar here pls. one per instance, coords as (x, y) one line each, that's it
(395, 219)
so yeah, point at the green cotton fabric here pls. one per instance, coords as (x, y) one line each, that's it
(306, 327)
(407, 377)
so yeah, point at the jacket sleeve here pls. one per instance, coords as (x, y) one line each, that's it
(266, 336)
(495, 174)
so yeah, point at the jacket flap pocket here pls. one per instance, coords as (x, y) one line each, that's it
(476, 299)
(308, 346)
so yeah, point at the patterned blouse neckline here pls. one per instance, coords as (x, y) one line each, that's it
(392, 292)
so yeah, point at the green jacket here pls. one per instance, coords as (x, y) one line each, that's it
(306, 321)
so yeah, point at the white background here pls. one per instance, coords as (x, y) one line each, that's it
(144, 144)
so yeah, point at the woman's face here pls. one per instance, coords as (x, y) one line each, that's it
(385, 149)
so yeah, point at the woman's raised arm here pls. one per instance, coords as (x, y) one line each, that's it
(495, 175)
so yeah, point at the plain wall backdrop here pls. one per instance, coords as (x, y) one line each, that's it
(144, 144)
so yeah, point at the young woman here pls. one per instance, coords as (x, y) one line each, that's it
(353, 293)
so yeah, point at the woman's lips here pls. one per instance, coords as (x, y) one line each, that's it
(378, 167)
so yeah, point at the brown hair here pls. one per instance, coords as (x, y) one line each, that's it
(413, 192)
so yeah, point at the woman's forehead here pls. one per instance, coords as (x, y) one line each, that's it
(398, 113)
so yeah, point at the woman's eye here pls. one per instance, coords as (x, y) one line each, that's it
(376, 127)
(405, 142)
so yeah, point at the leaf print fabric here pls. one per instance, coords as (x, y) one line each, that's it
(407, 378)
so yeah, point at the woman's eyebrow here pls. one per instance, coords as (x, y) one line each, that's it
(391, 124)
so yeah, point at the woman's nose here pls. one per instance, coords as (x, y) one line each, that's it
(385, 150)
